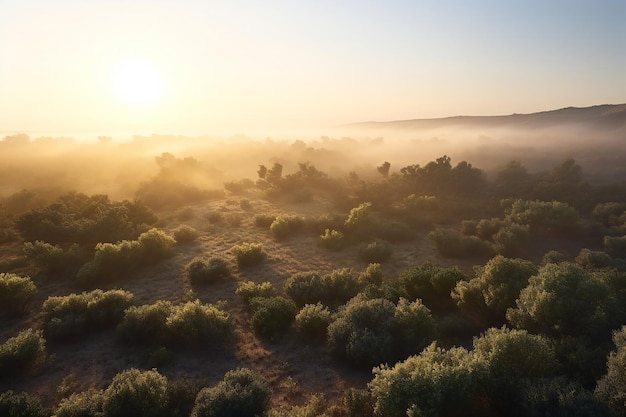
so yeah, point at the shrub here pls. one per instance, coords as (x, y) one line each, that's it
(313, 320)
(71, 315)
(608, 213)
(435, 382)
(21, 351)
(114, 259)
(375, 331)
(552, 257)
(76, 217)
(361, 221)
(206, 271)
(373, 274)
(558, 397)
(588, 258)
(15, 293)
(375, 252)
(146, 323)
(263, 220)
(565, 299)
(551, 217)
(452, 244)
(494, 288)
(511, 239)
(242, 393)
(286, 225)
(194, 323)
(154, 245)
(136, 393)
(53, 259)
(616, 246)
(191, 324)
(430, 283)
(514, 354)
(248, 290)
(21, 405)
(239, 186)
(487, 228)
(611, 387)
(331, 289)
(249, 254)
(83, 404)
(332, 239)
(185, 234)
(269, 315)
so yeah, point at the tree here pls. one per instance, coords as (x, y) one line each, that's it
(494, 288)
(565, 299)
(611, 387)
(384, 169)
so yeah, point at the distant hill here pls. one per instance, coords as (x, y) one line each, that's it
(606, 116)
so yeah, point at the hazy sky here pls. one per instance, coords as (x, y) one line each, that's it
(205, 66)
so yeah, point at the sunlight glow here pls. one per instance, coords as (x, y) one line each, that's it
(138, 82)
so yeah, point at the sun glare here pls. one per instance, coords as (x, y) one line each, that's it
(138, 82)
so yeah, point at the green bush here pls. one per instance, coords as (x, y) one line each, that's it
(377, 251)
(82, 404)
(547, 217)
(616, 246)
(249, 254)
(263, 220)
(453, 244)
(184, 234)
(242, 393)
(332, 239)
(114, 259)
(331, 289)
(55, 260)
(609, 213)
(154, 245)
(15, 293)
(362, 222)
(248, 290)
(313, 320)
(567, 300)
(436, 382)
(375, 331)
(558, 397)
(21, 405)
(511, 239)
(270, 315)
(286, 225)
(430, 283)
(146, 323)
(21, 351)
(206, 271)
(552, 257)
(611, 388)
(136, 393)
(194, 323)
(191, 324)
(487, 228)
(76, 217)
(71, 315)
(373, 274)
(588, 258)
(494, 288)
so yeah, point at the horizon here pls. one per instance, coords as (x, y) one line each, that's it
(222, 67)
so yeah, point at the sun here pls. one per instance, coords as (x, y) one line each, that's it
(138, 82)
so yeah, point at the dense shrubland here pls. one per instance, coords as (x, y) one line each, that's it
(534, 328)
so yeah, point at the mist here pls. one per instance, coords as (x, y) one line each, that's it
(122, 167)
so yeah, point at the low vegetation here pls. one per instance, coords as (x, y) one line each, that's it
(437, 289)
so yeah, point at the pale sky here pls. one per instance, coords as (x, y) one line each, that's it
(206, 66)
